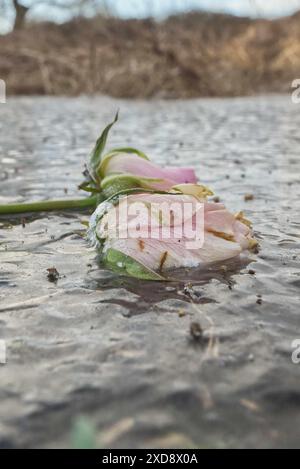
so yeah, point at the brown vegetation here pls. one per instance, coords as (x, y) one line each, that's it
(185, 56)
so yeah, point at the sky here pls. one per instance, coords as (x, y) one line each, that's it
(265, 8)
(161, 8)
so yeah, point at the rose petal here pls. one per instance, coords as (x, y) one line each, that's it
(131, 164)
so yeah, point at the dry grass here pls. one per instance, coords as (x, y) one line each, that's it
(185, 56)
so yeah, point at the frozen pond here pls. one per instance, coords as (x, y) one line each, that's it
(119, 351)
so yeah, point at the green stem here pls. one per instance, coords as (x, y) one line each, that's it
(47, 205)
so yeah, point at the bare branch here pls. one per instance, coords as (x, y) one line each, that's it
(21, 8)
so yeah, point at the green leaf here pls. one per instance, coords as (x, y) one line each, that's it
(95, 157)
(130, 150)
(83, 435)
(88, 186)
(111, 185)
(123, 264)
(135, 190)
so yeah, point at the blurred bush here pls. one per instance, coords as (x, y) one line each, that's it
(185, 56)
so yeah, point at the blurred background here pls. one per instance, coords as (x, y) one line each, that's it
(149, 48)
